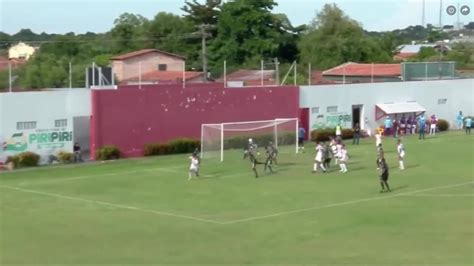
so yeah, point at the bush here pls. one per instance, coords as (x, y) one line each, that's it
(442, 124)
(13, 159)
(24, 159)
(65, 157)
(172, 147)
(109, 152)
(324, 134)
(155, 149)
(182, 146)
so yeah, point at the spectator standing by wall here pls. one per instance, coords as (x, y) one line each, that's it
(301, 136)
(459, 120)
(77, 153)
(339, 132)
(403, 125)
(468, 125)
(433, 122)
(421, 127)
(388, 126)
(356, 137)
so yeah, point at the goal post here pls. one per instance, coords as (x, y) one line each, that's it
(217, 138)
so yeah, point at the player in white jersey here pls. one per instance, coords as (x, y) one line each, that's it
(401, 154)
(339, 150)
(343, 157)
(319, 159)
(194, 167)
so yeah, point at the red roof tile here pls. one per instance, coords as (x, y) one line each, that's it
(361, 70)
(403, 56)
(250, 75)
(15, 62)
(318, 79)
(166, 76)
(142, 52)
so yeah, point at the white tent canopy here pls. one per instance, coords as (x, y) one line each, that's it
(383, 109)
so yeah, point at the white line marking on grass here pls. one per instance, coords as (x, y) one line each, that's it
(111, 204)
(343, 203)
(98, 175)
(440, 195)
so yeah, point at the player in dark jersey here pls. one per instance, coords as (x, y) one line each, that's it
(272, 153)
(251, 152)
(196, 154)
(383, 174)
(327, 157)
(380, 155)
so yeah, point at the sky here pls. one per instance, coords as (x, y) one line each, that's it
(80, 16)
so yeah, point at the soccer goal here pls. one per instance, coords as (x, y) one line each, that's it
(216, 138)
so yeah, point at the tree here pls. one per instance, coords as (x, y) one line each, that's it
(202, 13)
(129, 32)
(470, 26)
(333, 38)
(170, 33)
(427, 54)
(248, 32)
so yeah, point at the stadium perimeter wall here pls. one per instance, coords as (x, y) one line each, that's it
(130, 117)
(42, 108)
(445, 98)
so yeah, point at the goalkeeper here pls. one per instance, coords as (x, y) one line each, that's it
(272, 153)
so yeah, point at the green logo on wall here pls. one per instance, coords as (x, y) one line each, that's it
(17, 143)
(56, 139)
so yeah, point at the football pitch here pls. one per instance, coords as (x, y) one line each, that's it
(145, 211)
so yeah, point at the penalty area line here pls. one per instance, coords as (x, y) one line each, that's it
(343, 203)
(120, 206)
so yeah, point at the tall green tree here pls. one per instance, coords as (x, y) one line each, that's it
(202, 13)
(248, 32)
(170, 33)
(333, 38)
(129, 32)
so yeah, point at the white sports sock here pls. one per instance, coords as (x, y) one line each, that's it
(322, 167)
(342, 167)
(315, 167)
(345, 167)
(401, 165)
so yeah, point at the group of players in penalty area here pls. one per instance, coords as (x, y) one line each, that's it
(336, 150)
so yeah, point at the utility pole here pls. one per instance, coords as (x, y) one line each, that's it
(441, 14)
(423, 15)
(204, 35)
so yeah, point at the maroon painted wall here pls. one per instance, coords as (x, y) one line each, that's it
(304, 121)
(131, 117)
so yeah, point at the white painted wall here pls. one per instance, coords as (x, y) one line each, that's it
(459, 94)
(44, 107)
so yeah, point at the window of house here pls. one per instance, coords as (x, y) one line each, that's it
(162, 67)
(26, 125)
(315, 110)
(60, 123)
(442, 101)
(331, 109)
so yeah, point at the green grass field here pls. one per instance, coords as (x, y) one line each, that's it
(144, 211)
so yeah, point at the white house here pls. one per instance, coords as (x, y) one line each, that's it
(21, 51)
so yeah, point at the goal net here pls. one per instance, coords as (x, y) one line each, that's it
(216, 139)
